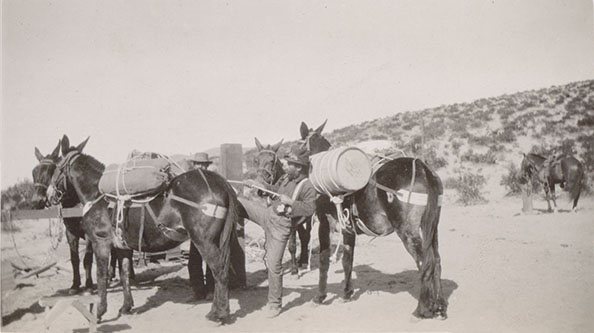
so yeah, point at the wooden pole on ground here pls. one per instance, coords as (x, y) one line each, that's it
(231, 168)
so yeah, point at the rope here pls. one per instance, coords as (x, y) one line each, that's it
(337, 200)
(56, 238)
(16, 249)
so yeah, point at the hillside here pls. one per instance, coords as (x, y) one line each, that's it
(485, 136)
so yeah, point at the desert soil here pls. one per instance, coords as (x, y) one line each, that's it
(502, 271)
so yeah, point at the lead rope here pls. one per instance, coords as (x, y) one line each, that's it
(57, 225)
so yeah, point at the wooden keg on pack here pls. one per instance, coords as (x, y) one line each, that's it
(341, 170)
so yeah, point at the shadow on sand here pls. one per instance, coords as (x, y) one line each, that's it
(251, 299)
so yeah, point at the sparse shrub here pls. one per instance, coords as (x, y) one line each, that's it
(456, 144)
(458, 127)
(435, 130)
(588, 151)
(567, 147)
(479, 140)
(379, 137)
(415, 145)
(488, 157)
(507, 135)
(586, 121)
(511, 181)
(433, 160)
(468, 185)
(408, 126)
(18, 196)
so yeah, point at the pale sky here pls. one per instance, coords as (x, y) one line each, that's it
(185, 76)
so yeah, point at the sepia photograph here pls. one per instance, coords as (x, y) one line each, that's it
(297, 166)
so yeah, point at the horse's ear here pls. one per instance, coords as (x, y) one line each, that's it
(82, 145)
(56, 151)
(277, 146)
(65, 143)
(321, 128)
(38, 154)
(258, 144)
(304, 130)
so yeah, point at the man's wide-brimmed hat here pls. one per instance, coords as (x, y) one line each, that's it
(200, 158)
(298, 155)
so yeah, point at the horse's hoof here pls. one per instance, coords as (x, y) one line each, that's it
(294, 271)
(320, 299)
(124, 310)
(87, 291)
(73, 291)
(213, 320)
(100, 313)
(441, 316)
(347, 295)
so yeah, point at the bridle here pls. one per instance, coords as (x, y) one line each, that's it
(61, 176)
(268, 175)
(43, 186)
(45, 161)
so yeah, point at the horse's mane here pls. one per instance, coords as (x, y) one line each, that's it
(92, 164)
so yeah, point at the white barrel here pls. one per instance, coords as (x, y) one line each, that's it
(340, 170)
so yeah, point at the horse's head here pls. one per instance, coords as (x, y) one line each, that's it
(61, 183)
(313, 140)
(269, 166)
(530, 166)
(42, 175)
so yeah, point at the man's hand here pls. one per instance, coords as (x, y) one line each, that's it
(286, 200)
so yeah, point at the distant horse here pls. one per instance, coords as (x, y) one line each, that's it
(566, 171)
(381, 212)
(42, 174)
(269, 171)
(199, 204)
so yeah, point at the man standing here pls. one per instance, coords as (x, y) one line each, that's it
(203, 287)
(296, 199)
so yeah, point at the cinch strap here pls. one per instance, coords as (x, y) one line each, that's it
(170, 233)
(209, 209)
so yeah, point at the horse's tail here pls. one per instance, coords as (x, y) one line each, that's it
(430, 218)
(430, 267)
(574, 184)
(228, 228)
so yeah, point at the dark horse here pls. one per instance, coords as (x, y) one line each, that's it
(269, 170)
(381, 212)
(199, 204)
(566, 171)
(42, 174)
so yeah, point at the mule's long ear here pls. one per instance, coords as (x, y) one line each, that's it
(65, 143)
(304, 130)
(258, 144)
(56, 151)
(321, 128)
(38, 154)
(82, 145)
(277, 146)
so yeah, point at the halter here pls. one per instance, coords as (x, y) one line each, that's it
(64, 167)
(269, 173)
(45, 161)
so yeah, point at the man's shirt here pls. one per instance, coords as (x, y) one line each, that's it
(304, 204)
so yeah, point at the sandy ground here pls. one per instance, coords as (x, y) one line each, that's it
(502, 272)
